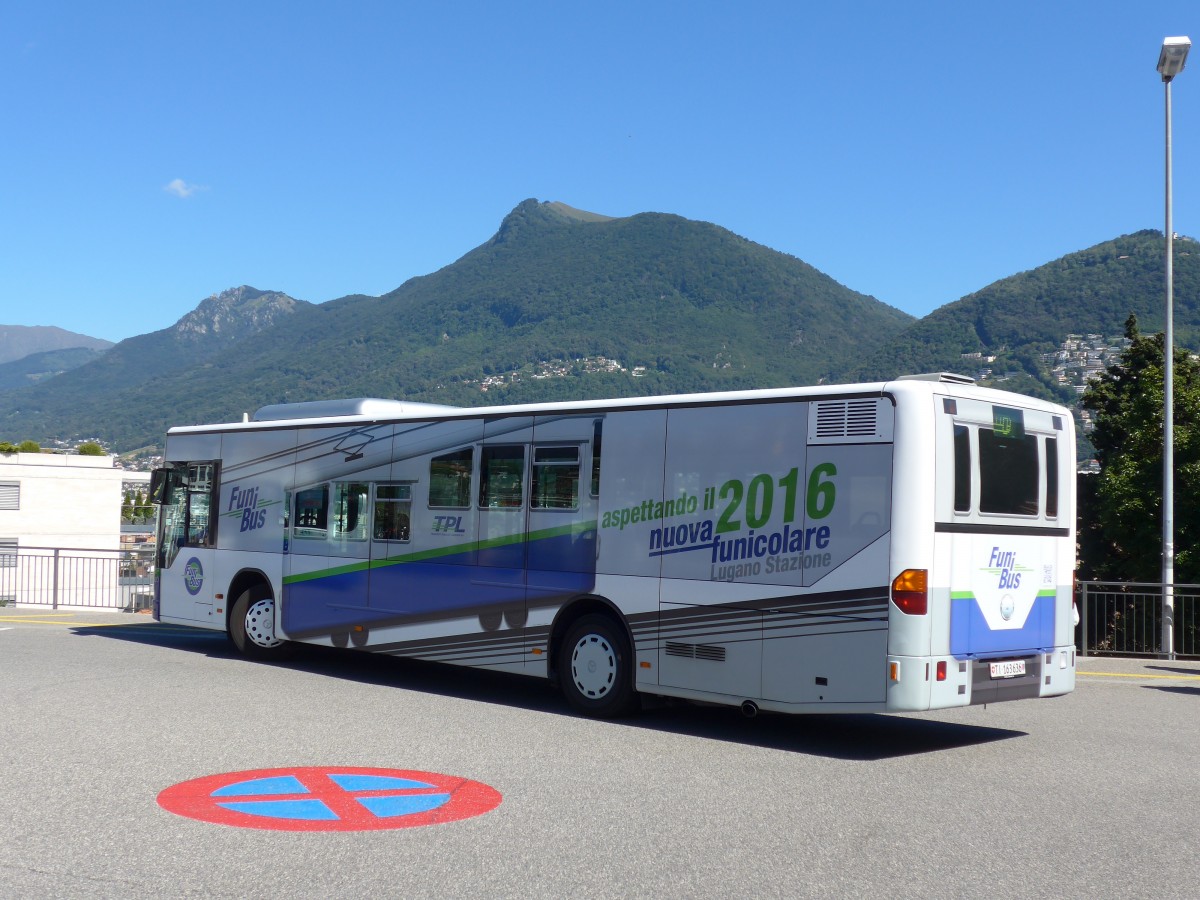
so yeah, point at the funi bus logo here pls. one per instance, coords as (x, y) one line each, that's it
(193, 576)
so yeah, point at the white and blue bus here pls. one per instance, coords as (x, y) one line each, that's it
(886, 547)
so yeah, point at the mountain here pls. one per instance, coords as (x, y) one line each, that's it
(562, 303)
(1093, 290)
(18, 341)
(110, 396)
(646, 304)
(47, 364)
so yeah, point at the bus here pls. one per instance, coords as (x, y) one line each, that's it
(885, 547)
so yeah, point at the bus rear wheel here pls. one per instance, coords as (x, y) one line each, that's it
(252, 626)
(596, 668)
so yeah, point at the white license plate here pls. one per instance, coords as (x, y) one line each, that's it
(1010, 668)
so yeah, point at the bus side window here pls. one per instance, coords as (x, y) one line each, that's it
(450, 479)
(555, 478)
(201, 483)
(173, 513)
(962, 469)
(393, 512)
(597, 433)
(312, 512)
(501, 471)
(350, 510)
(286, 520)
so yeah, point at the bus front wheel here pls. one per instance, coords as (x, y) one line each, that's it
(596, 668)
(252, 626)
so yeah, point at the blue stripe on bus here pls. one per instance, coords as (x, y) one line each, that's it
(971, 636)
(443, 588)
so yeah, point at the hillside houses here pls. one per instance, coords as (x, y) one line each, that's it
(557, 368)
(1080, 358)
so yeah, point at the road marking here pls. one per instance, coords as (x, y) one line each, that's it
(151, 627)
(1136, 675)
(319, 798)
(46, 620)
(66, 620)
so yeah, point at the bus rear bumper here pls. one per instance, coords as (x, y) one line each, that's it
(915, 684)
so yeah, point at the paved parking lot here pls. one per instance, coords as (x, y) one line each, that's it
(1091, 795)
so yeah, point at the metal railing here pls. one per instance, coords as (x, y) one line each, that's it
(1115, 618)
(1125, 619)
(57, 577)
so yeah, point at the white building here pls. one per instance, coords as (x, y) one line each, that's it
(60, 500)
(60, 532)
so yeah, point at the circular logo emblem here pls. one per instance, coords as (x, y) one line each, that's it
(1007, 605)
(335, 798)
(193, 576)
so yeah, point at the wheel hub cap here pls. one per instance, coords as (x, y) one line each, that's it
(593, 666)
(260, 624)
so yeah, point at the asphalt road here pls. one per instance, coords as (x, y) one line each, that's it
(1091, 795)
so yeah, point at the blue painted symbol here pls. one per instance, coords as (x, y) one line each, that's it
(330, 805)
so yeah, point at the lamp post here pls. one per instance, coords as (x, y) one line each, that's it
(1171, 60)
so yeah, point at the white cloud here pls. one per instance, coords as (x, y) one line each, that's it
(182, 189)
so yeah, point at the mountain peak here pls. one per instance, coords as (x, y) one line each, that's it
(573, 214)
(531, 214)
(236, 312)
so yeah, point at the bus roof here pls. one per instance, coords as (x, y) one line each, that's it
(362, 410)
(362, 406)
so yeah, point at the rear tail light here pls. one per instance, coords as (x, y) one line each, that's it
(941, 670)
(910, 591)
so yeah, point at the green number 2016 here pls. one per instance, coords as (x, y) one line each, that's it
(760, 497)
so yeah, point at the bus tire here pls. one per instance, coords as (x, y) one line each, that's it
(252, 626)
(596, 668)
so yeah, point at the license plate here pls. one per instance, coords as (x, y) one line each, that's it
(1010, 668)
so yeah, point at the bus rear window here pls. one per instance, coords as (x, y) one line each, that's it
(1008, 474)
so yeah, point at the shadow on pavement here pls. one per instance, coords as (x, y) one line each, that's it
(1174, 670)
(179, 637)
(854, 736)
(1174, 689)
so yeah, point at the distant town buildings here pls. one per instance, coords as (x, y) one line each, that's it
(1082, 357)
(557, 368)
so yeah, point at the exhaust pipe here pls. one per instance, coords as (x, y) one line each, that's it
(749, 709)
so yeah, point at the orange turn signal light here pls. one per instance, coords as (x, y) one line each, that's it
(910, 591)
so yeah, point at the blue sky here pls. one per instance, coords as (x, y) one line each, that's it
(157, 153)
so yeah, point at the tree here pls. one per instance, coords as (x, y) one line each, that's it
(135, 508)
(143, 510)
(1121, 539)
(90, 448)
(29, 447)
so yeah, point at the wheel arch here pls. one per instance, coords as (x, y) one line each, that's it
(245, 580)
(575, 609)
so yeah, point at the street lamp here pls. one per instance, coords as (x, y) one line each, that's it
(1170, 63)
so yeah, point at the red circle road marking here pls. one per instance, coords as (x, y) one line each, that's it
(329, 798)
